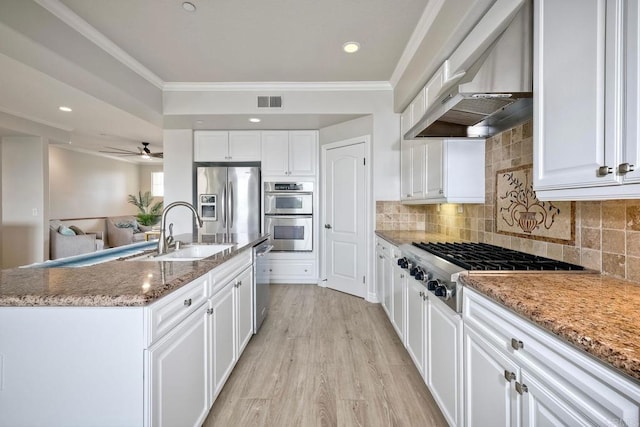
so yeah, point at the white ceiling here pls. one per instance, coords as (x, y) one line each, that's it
(257, 41)
(49, 56)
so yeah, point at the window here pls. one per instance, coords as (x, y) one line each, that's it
(157, 184)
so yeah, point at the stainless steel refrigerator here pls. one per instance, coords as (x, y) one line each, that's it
(228, 199)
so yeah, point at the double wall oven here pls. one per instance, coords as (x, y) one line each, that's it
(288, 215)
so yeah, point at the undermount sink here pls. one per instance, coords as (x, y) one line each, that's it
(188, 253)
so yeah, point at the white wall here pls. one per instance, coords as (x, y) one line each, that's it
(347, 130)
(178, 177)
(83, 185)
(25, 238)
(385, 127)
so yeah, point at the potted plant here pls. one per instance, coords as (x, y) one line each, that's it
(148, 215)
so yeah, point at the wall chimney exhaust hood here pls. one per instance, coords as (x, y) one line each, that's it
(494, 94)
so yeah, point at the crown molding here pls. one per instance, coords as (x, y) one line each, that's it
(67, 16)
(276, 86)
(424, 24)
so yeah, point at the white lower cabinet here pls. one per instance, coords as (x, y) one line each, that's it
(399, 289)
(417, 306)
(518, 374)
(178, 374)
(490, 367)
(244, 309)
(488, 395)
(443, 371)
(223, 349)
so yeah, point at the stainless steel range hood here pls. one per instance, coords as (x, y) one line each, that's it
(495, 94)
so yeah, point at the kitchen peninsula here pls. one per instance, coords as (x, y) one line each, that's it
(125, 342)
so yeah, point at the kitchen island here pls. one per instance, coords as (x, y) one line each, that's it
(125, 342)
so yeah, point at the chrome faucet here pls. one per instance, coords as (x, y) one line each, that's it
(163, 243)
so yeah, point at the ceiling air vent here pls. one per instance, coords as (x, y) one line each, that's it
(269, 102)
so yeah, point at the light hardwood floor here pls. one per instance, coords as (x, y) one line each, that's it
(324, 358)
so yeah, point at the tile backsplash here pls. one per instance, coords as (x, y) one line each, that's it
(607, 235)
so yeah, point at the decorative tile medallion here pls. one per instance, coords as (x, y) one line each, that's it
(520, 213)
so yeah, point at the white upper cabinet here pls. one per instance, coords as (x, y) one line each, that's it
(406, 119)
(405, 170)
(442, 171)
(275, 149)
(586, 102)
(226, 146)
(289, 153)
(303, 152)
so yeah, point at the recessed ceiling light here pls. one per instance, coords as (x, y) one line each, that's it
(189, 7)
(351, 47)
(199, 122)
(255, 120)
(65, 109)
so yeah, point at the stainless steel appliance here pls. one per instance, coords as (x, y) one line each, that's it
(262, 277)
(494, 94)
(288, 198)
(228, 199)
(289, 215)
(436, 265)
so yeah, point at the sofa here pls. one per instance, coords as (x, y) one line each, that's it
(63, 245)
(124, 230)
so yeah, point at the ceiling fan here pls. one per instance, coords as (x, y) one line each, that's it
(143, 152)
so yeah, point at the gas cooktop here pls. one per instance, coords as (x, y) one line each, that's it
(483, 256)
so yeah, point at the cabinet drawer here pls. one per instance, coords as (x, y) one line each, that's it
(286, 269)
(169, 311)
(595, 389)
(225, 272)
(385, 247)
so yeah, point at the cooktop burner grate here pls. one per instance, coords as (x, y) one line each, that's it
(483, 256)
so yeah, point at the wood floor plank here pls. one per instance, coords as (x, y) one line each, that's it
(324, 358)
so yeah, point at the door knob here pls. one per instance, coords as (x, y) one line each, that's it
(327, 226)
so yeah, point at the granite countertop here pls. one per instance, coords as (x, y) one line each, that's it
(403, 237)
(596, 313)
(117, 283)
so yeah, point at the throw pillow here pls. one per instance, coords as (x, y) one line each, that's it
(129, 224)
(66, 231)
(77, 230)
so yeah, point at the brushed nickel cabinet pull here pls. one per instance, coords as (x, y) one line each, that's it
(187, 302)
(509, 376)
(210, 311)
(516, 344)
(604, 171)
(624, 168)
(521, 388)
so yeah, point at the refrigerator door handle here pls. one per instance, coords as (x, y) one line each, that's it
(224, 207)
(231, 201)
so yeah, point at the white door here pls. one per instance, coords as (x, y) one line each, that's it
(345, 219)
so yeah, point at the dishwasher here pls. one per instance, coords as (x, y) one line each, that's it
(261, 277)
